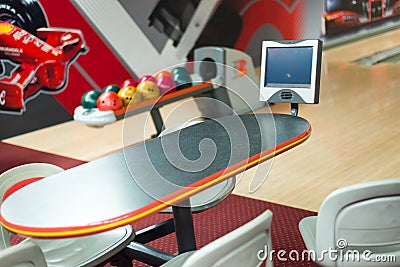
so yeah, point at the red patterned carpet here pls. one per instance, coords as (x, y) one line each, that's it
(11, 156)
(209, 225)
(234, 212)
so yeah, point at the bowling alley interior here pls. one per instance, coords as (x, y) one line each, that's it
(199, 133)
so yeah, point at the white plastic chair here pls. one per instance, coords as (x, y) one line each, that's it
(25, 254)
(88, 250)
(357, 219)
(211, 196)
(245, 246)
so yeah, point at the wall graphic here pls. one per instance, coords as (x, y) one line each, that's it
(32, 63)
(240, 24)
(341, 16)
(50, 92)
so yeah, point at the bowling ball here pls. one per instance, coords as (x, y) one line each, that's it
(128, 95)
(162, 74)
(166, 85)
(145, 78)
(179, 70)
(111, 88)
(148, 90)
(109, 101)
(89, 99)
(129, 82)
(182, 78)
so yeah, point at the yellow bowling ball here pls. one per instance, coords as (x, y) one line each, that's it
(148, 90)
(129, 94)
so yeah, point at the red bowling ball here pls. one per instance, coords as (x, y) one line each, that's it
(129, 82)
(166, 84)
(146, 78)
(109, 101)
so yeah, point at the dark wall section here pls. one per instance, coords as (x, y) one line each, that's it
(43, 111)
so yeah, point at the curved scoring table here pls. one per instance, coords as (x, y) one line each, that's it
(120, 188)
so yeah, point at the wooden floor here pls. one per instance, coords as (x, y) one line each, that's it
(355, 135)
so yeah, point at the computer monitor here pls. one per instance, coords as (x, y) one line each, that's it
(290, 71)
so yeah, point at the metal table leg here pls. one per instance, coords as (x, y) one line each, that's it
(184, 229)
(184, 232)
(157, 119)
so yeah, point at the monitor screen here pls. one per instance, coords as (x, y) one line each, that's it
(289, 67)
(290, 71)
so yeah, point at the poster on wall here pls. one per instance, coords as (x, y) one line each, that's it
(52, 52)
(49, 56)
(354, 16)
(34, 62)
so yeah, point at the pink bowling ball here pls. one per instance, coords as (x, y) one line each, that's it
(146, 78)
(166, 85)
(129, 82)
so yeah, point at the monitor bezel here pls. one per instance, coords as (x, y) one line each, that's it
(309, 95)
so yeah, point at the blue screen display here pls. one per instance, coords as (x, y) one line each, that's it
(288, 67)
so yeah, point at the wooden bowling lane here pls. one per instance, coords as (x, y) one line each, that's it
(352, 51)
(354, 137)
(355, 130)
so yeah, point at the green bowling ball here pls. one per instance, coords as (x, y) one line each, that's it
(89, 99)
(181, 77)
(182, 80)
(111, 88)
(179, 70)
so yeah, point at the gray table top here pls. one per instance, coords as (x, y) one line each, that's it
(128, 185)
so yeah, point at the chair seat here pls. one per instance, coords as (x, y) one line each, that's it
(178, 260)
(24, 254)
(360, 222)
(235, 249)
(210, 197)
(80, 251)
(87, 250)
(308, 229)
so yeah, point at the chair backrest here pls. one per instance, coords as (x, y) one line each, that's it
(361, 217)
(245, 246)
(25, 254)
(16, 175)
